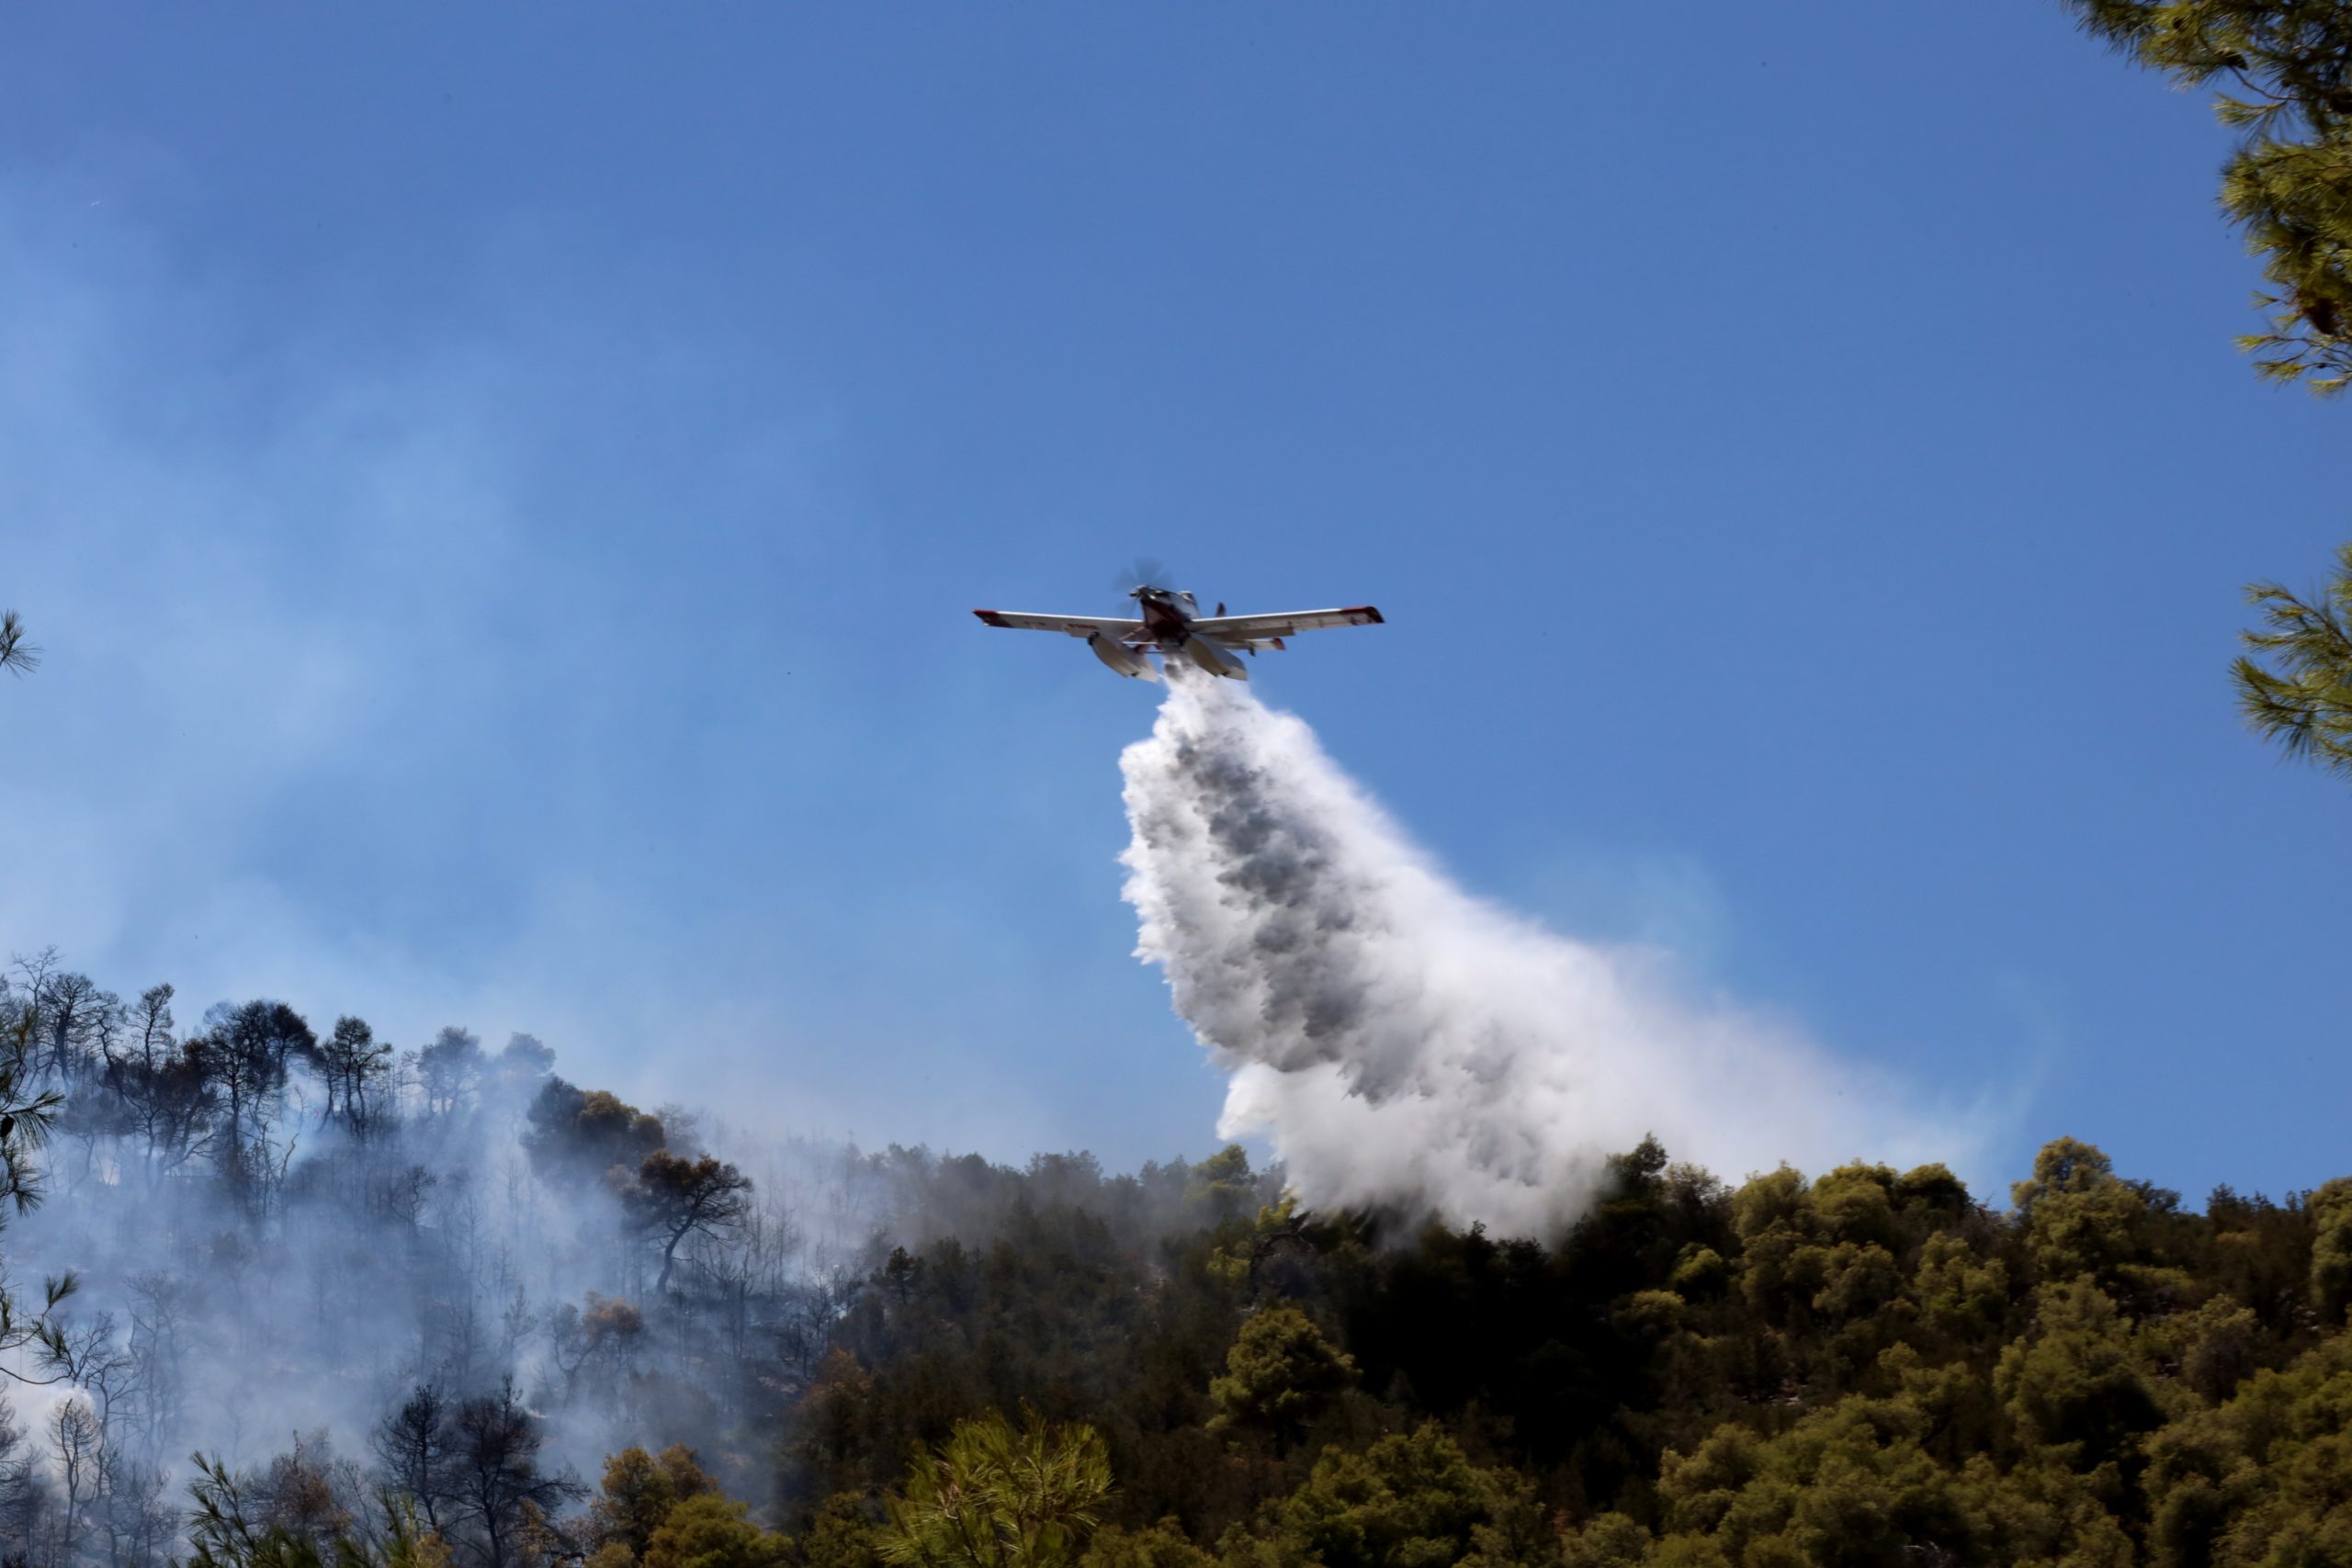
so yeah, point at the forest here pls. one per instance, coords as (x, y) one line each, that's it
(277, 1292)
(305, 1298)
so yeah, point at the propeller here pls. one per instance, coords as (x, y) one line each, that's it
(1146, 572)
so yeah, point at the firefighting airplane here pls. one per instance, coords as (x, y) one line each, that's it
(1171, 623)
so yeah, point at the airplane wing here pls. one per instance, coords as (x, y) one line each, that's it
(1072, 626)
(1290, 623)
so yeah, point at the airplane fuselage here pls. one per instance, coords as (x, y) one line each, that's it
(1166, 614)
(1169, 623)
(1169, 617)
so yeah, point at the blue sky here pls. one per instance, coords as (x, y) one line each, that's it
(501, 494)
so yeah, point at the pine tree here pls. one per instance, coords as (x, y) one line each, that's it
(995, 1497)
(2305, 704)
(17, 656)
(28, 1113)
(2283, 74)
(2284, 71)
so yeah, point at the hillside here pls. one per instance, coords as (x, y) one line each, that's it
(416, 1305)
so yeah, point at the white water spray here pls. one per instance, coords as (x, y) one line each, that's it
(1409, 1048)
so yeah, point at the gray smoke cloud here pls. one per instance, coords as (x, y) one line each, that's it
(297, 1295)
(1407, 1047)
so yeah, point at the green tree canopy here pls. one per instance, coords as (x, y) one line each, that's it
(707, 1530)
(2332, 1251)
(1164, 1545)
(1281, 1373)
(1405, 1501)
(2264, 1478)
(638, 1495)
(997, 1497)
(2284, 71)
(2303, 699)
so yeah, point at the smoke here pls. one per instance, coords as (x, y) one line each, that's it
(282, 1241)
(1409, 1048)
(295, 1272)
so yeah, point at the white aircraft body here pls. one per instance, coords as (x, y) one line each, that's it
(1171, 624)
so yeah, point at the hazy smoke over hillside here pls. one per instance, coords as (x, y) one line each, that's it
(1409, 1047)
(291, 1238)
(339, 1267)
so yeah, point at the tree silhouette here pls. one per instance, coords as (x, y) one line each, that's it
(17, 656)
(674, 1198)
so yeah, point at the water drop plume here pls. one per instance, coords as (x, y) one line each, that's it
(1410, 1048)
